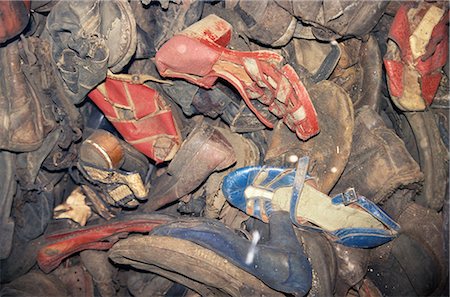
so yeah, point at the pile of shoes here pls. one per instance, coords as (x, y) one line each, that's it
(229, 147)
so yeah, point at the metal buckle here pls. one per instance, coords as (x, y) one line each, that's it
(349, 196)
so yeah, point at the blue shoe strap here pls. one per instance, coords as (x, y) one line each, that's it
(297, 187)
(349, 197)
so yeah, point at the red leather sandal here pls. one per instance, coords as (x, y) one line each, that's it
(140, 114)
(199, 55)
(417, 54)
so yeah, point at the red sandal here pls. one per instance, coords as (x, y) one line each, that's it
(198, 55)
(140, 114)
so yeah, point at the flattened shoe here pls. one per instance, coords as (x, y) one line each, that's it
(417, 51)
(202, 58)
(198, 268)
(349, 219)
(280, 262)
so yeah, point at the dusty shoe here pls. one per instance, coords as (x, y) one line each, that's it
(76, 279)
(87, 38)
(416, 53)
(175, 259)
(22, 127)
(15, 16)
(204, 151)
(265, 21)
(330, 149)
(247, 154)
(280, 263)
(319, 58)
(35, 283)
(359, 71)
(415, 263)
(140, 114)
(334, 19)
(203, 58)
(379, 163)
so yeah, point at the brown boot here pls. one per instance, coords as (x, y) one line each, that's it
(204, 151)
(379, 163)
(21, 118)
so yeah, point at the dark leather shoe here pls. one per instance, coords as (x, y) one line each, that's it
(204, 151)
(379, 163)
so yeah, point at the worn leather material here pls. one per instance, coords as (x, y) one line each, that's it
(433, 159)
(22, 126)
(266, 22)
(415, 263)
(87, 38)
(335, 19)
(56, 247)
(35, 283)
(15, 16)
(330, 149)
(379, 163)
(175, 259)
(7, 191)
(280, 263)
(204, 151)
(203, 58)
(413, 79)
(140, 114)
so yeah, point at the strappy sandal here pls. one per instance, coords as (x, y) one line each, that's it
(202, 58)
(347, 218)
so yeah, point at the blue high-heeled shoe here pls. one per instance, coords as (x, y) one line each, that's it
(347, 218)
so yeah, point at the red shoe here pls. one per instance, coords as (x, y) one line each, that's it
(198, 55)
(140, 114)
(414, 60)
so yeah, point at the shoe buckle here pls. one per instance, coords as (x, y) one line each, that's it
(349, 196)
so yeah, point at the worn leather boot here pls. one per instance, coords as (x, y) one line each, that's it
(175, 259)
(279, 263)
(359, 71)
(204, 151)
(379, 163)
(21, 128)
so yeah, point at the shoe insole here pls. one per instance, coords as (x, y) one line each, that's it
(317, 208)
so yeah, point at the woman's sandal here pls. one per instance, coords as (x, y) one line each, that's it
(347, 218)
